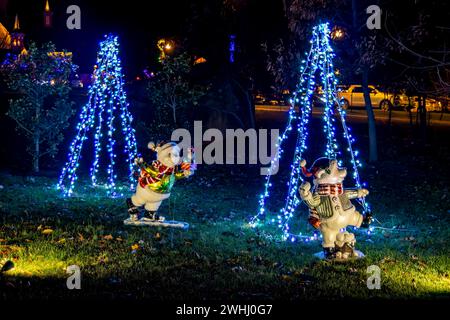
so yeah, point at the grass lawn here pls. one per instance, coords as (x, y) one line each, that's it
(219, 257)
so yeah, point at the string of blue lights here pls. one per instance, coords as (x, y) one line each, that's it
(106, 94)
(319, 58)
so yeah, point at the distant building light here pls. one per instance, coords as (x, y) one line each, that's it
(47, 15)
(60, 54)
(199, 60)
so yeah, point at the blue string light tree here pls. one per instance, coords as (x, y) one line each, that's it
(106, 109)
(318, 61)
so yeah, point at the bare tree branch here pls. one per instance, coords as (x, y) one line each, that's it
(440, 63)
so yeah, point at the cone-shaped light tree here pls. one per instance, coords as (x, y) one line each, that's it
(106, 110)
(318, 61)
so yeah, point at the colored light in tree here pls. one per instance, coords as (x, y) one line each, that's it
(232, 48)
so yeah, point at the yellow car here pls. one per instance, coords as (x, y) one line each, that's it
(353, 97)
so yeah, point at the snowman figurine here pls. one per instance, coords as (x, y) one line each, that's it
(331, 210)
(157, 179)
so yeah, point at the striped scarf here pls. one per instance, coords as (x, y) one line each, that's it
(330, 189)
(146, 178)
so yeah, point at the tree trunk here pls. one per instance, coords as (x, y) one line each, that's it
(354, 15)
(174, 115)
(36, 154)
(390, 117)
(285, 8)
(422, 111)
(173, 106)
(373, 151)
(37, 134)
(409, 108)
(244, 96)
(251, 110)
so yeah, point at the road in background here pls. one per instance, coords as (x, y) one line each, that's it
(360, 115)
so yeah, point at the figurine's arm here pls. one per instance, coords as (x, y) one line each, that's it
(183, 171)
(187, 166)
(180, 174)
(305, 194)
(356, 193)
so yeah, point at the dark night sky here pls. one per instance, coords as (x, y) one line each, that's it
(139, 24)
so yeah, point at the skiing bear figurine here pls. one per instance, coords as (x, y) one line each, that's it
(330, 207)
(157, 179)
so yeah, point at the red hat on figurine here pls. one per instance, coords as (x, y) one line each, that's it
(321, 163)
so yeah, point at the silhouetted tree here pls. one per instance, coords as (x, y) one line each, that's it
(42, 109)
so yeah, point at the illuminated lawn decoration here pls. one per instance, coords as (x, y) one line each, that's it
(106, 109)
(318, 59)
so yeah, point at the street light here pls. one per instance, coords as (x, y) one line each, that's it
(338, 33)
(164, 46)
